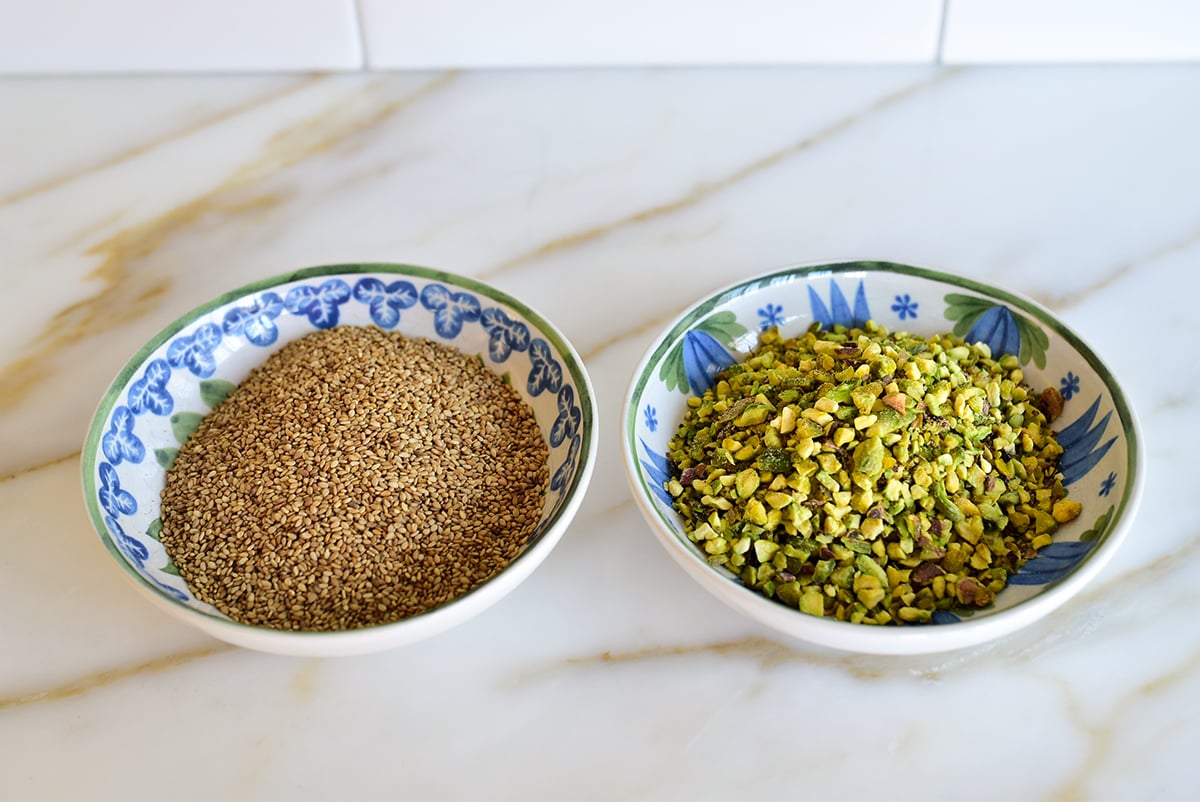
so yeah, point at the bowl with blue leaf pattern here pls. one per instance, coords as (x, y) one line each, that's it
(1101, 464)
(163, 392)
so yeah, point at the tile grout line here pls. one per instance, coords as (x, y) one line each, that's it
(360, 31)
(939, 58)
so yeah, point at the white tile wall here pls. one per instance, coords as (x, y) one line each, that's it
(1049, 31)
(522, 33)
(67, 36)
(83, 36)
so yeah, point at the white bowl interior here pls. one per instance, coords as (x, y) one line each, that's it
(161, 394)
(1097, 427)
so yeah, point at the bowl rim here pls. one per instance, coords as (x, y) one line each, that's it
(871, 639)
(520, 566)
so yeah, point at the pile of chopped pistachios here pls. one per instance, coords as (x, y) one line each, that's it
(871, 477)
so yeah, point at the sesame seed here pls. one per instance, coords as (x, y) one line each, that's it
(357, 477)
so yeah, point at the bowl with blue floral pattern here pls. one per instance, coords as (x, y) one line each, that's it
(166, 389)
(1100, 464)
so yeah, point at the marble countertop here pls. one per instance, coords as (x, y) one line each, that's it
(608, 200)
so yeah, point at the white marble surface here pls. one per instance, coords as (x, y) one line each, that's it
(608, 200)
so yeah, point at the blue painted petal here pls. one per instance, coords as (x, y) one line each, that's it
(566, 424)
(271, 304)
(208, 337)
(119, 442)
(149, 393)
(659, 471)
(562, 477)
(299, 299)
(447, 321)
(335, 291)
(862, 312)
(178, 594)
(819, 312)
(944, 617)
(546, 373)
(435, 297)
(656, 487)
(1083, 445)
(1080, 441)
(323, 313)
(1070, 436)
(1052, 563)
(260, 330)
(998, 328)
(518, 336)
(402, 294)
(703, 359)
(839, 307)
(367, 289)
(498, 347)
(658, 463)
(1080, 468)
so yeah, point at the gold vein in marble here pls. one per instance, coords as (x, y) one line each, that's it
(1067, 300)
(145, 147)
(769, 654)
(1143, 576)
(1104, 734)
(707, 189)
(50, 463)
(131, 281)
(103, 679)
(652, 326)
(304, 681)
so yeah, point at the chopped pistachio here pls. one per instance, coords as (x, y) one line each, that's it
(870, 477)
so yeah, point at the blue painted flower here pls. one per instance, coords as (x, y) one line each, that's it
(195, 351)
(569, 418)
(149, 393)
(944, 617)
(450, 309)
(1004, 331)
(318, 304)
(256, 321)
(134, 550)
(119, 442)
(1108, 484)
(1070, 385)
(385, 300)
(504, 334)
(1081, 444)
(658, 471)
(772, 315)
(651, 415)
(701, 353)
(546, 373)
(562, 476)
(115, 500)
(838, 313)
(905, 307)
(703, 359)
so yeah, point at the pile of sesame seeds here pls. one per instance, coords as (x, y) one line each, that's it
(357, 477)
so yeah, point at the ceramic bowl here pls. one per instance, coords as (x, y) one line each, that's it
(162, 392)
(1101, 464)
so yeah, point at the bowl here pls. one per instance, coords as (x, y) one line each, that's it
(1101, 463)
(160, 395)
